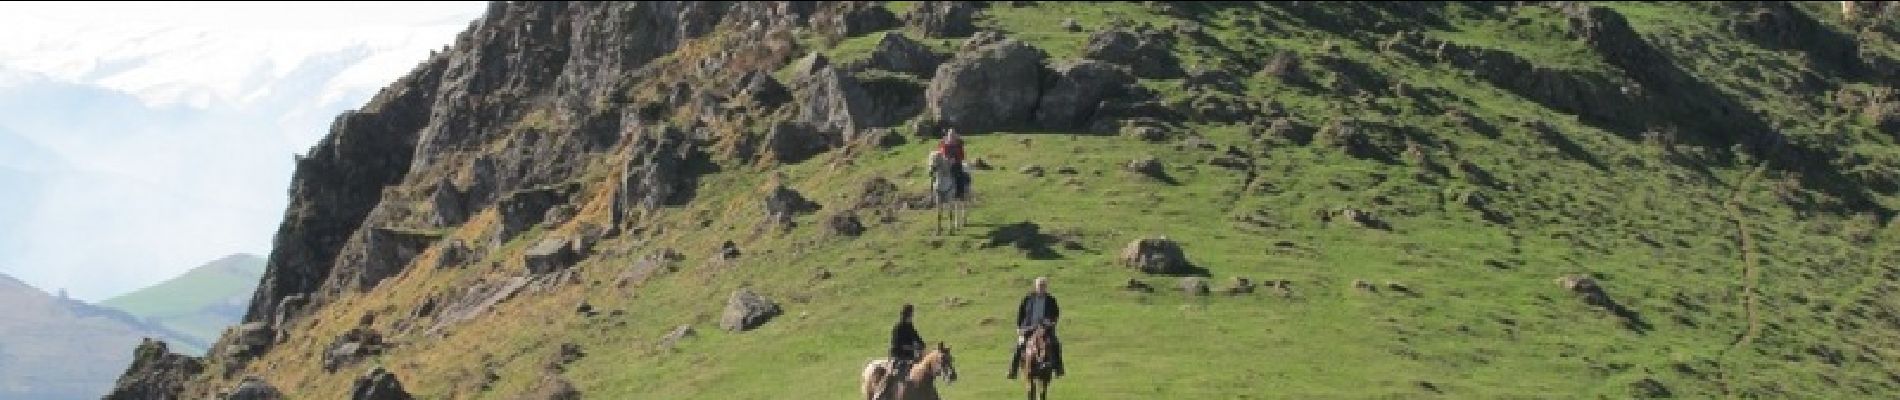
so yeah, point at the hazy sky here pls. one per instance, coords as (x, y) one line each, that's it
(138, 140)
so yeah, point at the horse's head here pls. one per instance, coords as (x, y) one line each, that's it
(947, 366)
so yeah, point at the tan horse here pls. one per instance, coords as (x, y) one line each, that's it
(919, 385)
(1036, 368)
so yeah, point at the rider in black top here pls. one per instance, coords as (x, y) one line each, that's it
(906, 344)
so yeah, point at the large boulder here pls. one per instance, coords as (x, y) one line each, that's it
(1075, 91)
(992, 87)
(854, 18)
(1146, 53)
(378, 384)
(249, 340)
(832, 104)
(747, 311)
(899, 53)
(1155, 256)
(941, 19)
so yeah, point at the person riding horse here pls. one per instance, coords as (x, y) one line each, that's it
(906, 346)
(952, 148)
(1038, 309)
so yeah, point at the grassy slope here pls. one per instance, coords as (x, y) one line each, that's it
(180, 303)
(1487, 322)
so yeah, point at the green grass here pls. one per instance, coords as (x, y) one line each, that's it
(1487, 319)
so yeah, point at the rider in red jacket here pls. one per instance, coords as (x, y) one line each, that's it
(952, 148)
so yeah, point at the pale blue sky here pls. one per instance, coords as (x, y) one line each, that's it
(138, 140)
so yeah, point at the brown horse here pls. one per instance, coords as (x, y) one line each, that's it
(919, 385)
(1036, 364)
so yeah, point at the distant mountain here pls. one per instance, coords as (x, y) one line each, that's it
(201, 302)
(54, 348)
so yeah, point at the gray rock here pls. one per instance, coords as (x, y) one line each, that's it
(523, 209)
(679, 333)
(1147, 54)
(155, 373)
(352, 347)
(1148, 165)
(784, 204)
(552, 387)
(1033, 170)
(455, 254)
(383, 252)
(1194, 285)
(656, 175)
(1076, 92)
(899, 53)
(249, 340)
(845, 223)
(747, 311)
(1069, 24)
(550, 255)
(761, 91)
(448, 207)
(941, 19)
(993, 87)
(254, 388)
(1155, 256)
(378, 384)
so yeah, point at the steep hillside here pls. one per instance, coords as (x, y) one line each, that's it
(1461, 200)
(202, 301)
(50, 346)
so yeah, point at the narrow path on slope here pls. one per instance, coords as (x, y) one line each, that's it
(1750, 270)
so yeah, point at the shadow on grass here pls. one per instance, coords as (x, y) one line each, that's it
(1025, 236)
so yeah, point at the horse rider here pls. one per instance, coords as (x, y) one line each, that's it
(1038, 308)
(906, 345)
(952, 148)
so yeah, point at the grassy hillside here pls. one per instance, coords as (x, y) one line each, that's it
(202, 301)
(1738, 272)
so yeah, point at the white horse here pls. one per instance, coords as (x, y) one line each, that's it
(943, 184)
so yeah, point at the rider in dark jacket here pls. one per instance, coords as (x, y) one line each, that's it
(906, 344)
(1038, 308)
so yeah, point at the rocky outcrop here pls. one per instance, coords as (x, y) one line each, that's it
(156, 374)
(994, 86)
(1076, 90)
(352, 347)
(254, 388)
(899, 53)
(853, 18)
(378, 384)
(381, 253)
(941, 19)
(552, 255)
(747, 311)
(522, 210)
(659, 173)
(1146, 53)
